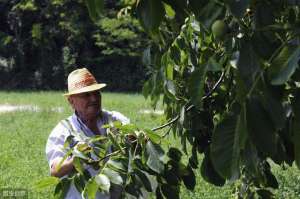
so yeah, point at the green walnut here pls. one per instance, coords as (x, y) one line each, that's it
(219, 29)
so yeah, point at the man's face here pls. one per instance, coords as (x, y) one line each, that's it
(87, 105)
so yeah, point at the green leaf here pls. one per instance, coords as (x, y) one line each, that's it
(193, 160)
(170, 89)
(175, 154)
(102, 182)
(189, 179)
(153, 136)
(284, 65)
(90, 188)
(296, 128)
(68, 141)
(225, 146)
(99, 5)
(180, 42)
(169, 191)
(77, 164)
(131, 191)
(165, 59)
(146, 89)
(113, 176)
(169, 11)
(158, 193)
(248, 64)
(213, 65)
(95, 8)
(260, 127)
(271, 180)
(182, 115)
(117, 164)
(171, 173)
(275, 109)
(265, 193)
(194, 57)
(179, 7)
(97, 138)
(117, 124)
(62, 188)
(153, 155)
(114, 139)
(77, 153)
(146, 58)
(169, 71)
(150, 13)
(144, 179)
(175, 54)
(127, 128)
(63, 159)
(79, 182)
(209, 173)
(36, 31)
(196, 85)
(83, 147)
(48, 181)
(241, 88)
(251, 158)
(242, 128)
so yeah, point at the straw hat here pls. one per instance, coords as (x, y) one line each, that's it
(82, 81)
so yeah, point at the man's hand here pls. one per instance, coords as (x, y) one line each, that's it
(66, 167)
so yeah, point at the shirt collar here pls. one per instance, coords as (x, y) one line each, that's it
(81, 126)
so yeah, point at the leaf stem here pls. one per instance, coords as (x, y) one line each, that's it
(192, 106)
(115, 152)
(111, 154)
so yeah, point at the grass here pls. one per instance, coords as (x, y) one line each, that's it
(23, 136)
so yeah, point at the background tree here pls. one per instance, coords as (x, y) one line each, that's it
(45, 40)
(228, 73)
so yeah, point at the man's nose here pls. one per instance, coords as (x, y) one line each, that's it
(94, 96)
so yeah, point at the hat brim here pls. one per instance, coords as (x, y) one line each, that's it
(86, 89)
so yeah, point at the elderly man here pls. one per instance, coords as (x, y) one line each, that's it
(85, 98)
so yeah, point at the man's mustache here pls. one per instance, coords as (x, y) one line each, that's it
(93, 104)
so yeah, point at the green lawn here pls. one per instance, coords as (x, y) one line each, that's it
(23, 135)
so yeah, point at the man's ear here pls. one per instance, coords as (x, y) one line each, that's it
(70, 100)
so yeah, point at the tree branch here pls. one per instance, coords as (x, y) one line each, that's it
(192, 106)
(166, 124)
(111, 154)
(215, 86)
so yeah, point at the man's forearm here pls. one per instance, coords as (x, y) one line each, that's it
(66, 167)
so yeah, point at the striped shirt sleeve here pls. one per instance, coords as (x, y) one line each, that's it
(55, 143)
(117, 116)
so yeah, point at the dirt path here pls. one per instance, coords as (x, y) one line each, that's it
(148, 111)
(5, 108)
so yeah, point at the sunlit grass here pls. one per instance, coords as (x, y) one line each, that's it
(23, 136)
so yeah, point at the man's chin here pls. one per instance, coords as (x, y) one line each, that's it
(92, 113)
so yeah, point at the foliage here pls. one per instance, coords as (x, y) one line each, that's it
(128, 159)
(244, 55)
(19, 127)
(45, 40)
(228, 73)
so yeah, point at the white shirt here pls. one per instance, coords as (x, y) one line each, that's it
(55, 144)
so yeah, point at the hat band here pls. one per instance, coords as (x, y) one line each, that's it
(85, 82)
